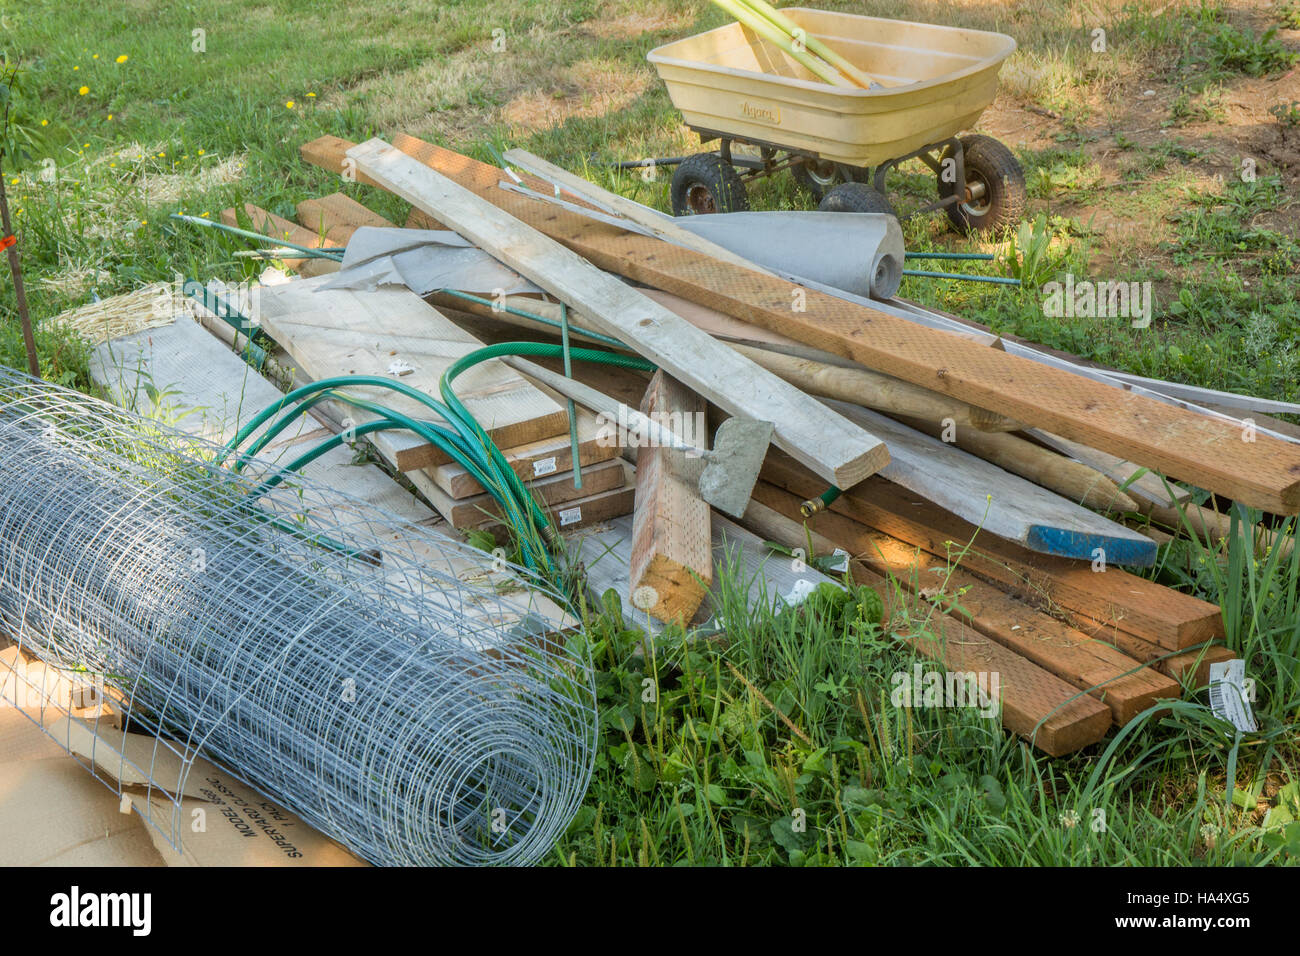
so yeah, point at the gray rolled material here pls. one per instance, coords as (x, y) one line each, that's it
(328, 654)
(859, 252)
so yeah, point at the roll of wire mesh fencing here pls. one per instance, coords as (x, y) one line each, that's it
(373, 677)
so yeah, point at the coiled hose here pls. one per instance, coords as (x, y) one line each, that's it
(462, 438)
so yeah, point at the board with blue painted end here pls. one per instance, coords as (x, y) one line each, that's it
(998, 501)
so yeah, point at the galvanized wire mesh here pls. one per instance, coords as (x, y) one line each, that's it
(375, 678)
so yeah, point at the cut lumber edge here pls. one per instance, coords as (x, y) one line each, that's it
(671, 568)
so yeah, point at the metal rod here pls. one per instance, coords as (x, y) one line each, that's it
(573, 409)
(643, 163)
(316, 252)
(994, 280)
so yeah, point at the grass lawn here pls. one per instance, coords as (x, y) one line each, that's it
(1172, 154)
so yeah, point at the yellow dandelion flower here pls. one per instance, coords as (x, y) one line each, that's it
(205, 215)
(200, 152)
(289, 105)
(123, 58)
(85, 146)
(45, 122)
(112, 165)
(95, 57)
(144, 222)
(110, 117)
(84, 90)
(13, 182)
(311, 94)
(75, 68)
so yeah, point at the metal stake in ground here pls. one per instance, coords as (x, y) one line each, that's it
(10, 242)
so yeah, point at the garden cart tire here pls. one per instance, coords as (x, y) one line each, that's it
(994, 176)
(820, 176)
(855, 197)
(704, 184)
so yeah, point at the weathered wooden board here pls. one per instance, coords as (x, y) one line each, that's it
(341, 332)
(836, 449)
(766, 578)
(998, 501)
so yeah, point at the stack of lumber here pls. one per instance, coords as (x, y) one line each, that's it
(992, 493)
(392, 333)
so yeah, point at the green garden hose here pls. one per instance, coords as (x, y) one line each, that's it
(465, 441)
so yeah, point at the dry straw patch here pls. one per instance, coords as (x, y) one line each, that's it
(587, 89)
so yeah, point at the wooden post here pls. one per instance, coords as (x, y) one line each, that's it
(672, 556)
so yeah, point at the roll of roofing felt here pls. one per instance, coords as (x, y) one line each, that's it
(859, 252)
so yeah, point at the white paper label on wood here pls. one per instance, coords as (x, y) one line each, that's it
(544, 466)
(570, 516)
(1228, 698)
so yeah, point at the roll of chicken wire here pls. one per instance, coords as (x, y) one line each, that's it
(404, 694)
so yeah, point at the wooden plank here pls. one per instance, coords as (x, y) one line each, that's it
(672, 555)
(1120, 682)
(553, 492)
(342, 332)
(1190, 666)
(899, 308)
(1072, 480)
(269, 224)
(663, 226)
(338, 216)
(1166, 617)
(590, 510)
(836, 449)
(546, 456)
(1035, 703)
(330, 153)
(996, 500)
(1146, 487)
(1210, 452)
